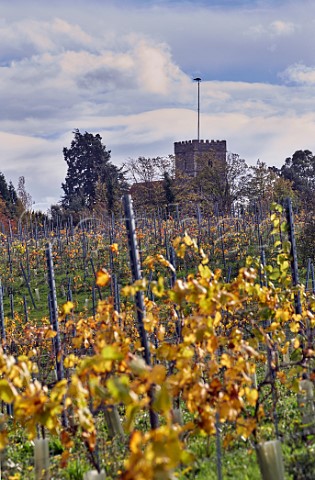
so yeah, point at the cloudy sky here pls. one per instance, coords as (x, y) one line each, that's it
(124, 69)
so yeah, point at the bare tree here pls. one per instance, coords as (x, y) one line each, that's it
(23, 195)
(146, 170)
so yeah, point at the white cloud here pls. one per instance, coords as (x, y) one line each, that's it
(39, 160)
(299, 73)
(155, 68)
(127, 74)
(54, 83)
(64, 30)
(275, 28)
(280, 27)
(31, 36)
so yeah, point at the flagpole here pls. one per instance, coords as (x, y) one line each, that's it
(198, 80)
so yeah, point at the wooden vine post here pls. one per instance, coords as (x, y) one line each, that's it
(41, 459)
(306, 405)
(270, 460)
(94, 475)
(139, 298)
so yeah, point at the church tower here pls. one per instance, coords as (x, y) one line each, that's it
(192, 155)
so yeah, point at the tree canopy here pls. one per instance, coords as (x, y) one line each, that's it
(91, 177)
(300, 170)
(10, 204)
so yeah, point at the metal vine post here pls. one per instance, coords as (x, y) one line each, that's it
(139, 298)
(54, 312)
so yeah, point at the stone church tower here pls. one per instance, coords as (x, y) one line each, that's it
(192, 155)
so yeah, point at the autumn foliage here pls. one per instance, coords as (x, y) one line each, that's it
(208, 338)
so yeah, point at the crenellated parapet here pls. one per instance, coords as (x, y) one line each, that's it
(190, 155)
(195, 142)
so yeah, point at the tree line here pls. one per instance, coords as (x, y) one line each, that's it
(94, 184)
(13, 202)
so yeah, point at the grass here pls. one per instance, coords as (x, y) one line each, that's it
(238, 462)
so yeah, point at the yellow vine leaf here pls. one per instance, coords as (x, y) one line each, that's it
(226, 360)
(114, 247)
(217, 319)
(71, 361)
(50, 334)
(102, 278)
(162, 401)
(294, 327)
(251, 395)
(158, 374)
(66, 308)
(282, 377)
(7, 391)
(187, 240)
(135, 441)
(111, 353)
(296, 343)
(4, 440)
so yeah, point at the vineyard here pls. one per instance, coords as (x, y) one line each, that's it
(157, 346)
